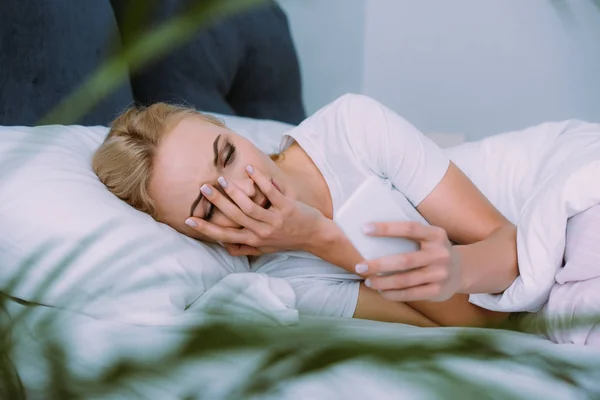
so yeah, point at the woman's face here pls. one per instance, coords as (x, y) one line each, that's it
(197, 152)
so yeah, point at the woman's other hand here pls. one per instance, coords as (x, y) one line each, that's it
(432, 273)
(278, 223)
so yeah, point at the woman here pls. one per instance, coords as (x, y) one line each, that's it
(189, 171)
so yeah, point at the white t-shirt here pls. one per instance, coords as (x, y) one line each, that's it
(350, 140)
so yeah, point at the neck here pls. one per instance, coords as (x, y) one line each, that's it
(304, 181)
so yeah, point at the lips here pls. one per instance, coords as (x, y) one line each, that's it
(276, 186)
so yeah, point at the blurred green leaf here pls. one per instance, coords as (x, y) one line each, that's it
(564, 9)
(142, 50)
(11, 386)
(291, 353)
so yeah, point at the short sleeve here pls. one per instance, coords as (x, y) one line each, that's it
(383, 142)
(321, 288)
(325, 297)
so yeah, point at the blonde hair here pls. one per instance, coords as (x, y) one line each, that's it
(124, 161)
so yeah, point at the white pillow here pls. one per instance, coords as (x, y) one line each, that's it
(49, 196)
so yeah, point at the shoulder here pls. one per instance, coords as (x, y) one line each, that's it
(352, 102)
(354, 125)
(349, 104)
(346, 115)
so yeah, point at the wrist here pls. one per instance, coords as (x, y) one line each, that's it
(325, 235)
(465, 279)
(331, 244)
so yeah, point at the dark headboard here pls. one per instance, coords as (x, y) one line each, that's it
(244, 65)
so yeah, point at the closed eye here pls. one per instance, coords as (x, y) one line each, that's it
(229, 153)
(210, 212)
(228, 156)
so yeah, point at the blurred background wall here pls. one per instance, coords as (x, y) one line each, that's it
(466, 66)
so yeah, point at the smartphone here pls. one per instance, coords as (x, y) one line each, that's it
(376, 201)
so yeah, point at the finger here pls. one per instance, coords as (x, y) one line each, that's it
(266, 186)
(395, 262)
(216, 232)
(407, 229)
(238, 249)
(409, 279)
(430, 292)
(243, 202)
(269, 250)
(227, 207)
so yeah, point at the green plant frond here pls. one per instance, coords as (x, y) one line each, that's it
(291, 353)
(11, 386)
(67, 261)
(135, 54)
(142, 50)
(136, 13)
(27, 264)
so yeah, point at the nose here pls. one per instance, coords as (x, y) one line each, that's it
(246, 185)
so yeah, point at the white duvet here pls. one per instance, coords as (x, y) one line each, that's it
(538, 178)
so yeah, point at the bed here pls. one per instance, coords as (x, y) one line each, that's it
(136, 292)
(140, 311)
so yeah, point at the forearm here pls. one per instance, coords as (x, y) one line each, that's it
(371, 305)
(457, 311)
(490, 265)
(498, 250)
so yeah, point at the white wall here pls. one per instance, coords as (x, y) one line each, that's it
(482, 67)
(473, 66)
(329, 37)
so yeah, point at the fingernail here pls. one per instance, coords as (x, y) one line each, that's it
(368, 283)
(190, 222)
(369, 229)
(250, 169)
(361, 268)
(206, 190)
(222, 181)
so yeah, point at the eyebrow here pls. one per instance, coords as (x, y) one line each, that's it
(216, 150)
(216, 159)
